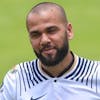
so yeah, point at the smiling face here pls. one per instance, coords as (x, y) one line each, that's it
(49, 35)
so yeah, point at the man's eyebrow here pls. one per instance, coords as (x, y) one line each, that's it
(48, 28)
(51, 27)
(34, 31)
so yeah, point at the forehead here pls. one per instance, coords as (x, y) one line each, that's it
(44, 17)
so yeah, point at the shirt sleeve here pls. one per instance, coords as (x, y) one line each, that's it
(8, 87)
(98, 78)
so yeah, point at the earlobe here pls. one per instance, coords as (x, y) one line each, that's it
(69, 31)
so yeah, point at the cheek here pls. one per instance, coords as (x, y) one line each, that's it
(35, 44)
(59, 41)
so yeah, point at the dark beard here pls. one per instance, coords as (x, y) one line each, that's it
(60, 55)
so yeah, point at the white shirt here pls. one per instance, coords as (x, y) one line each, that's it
(27, 81)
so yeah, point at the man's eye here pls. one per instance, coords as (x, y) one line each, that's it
(52, 30)
(35, 34)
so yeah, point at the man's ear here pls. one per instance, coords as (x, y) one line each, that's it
(70, 33)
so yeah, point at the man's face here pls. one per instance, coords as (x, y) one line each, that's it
(52, 59)
(48, 36)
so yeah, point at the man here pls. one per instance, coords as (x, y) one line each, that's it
(57, 73)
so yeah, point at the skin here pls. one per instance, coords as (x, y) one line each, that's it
(49, 28)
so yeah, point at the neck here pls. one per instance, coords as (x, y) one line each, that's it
(58, 70)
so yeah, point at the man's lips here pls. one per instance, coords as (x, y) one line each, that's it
(48, 51)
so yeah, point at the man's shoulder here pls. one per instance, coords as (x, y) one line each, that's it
(23, 66)
(85, 61)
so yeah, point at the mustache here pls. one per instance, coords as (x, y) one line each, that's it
(46, 47)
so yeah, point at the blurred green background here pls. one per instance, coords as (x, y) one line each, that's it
(14, 43)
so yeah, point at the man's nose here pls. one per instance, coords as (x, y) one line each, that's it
(44, 39)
